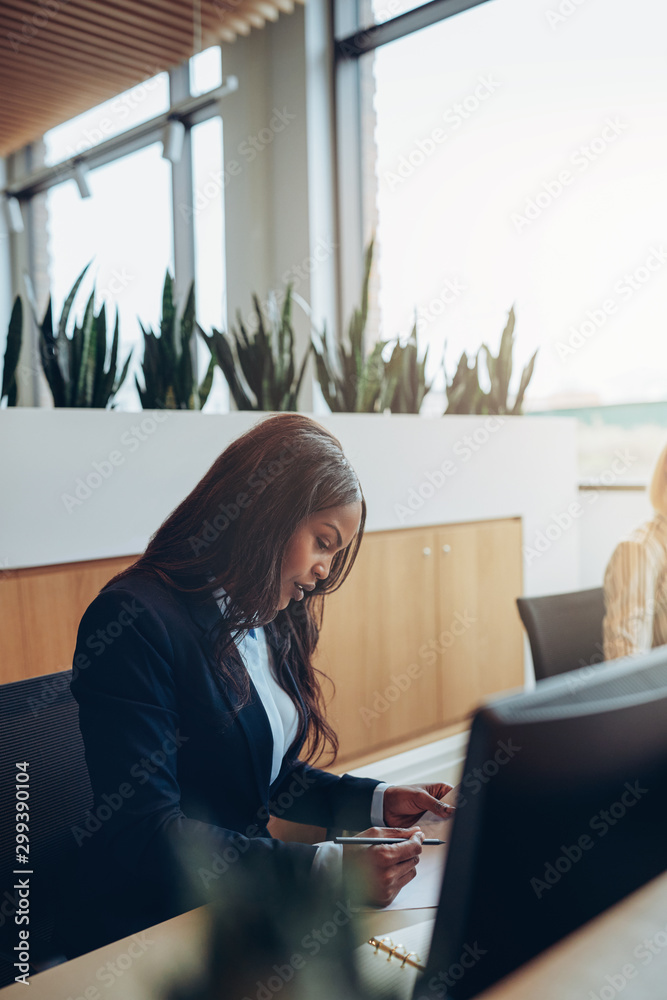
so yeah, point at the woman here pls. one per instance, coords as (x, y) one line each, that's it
(199, 703)
(635, 581)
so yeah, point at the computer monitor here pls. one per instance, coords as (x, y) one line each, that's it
(562, 812)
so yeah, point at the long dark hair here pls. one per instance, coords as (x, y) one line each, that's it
(232, 531)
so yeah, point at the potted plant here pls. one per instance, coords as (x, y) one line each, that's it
(350, 381)
(404, 384)
(464, 393)
(76, 366)
(260, 367)
(169, 382)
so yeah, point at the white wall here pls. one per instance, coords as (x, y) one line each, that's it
(608, 517)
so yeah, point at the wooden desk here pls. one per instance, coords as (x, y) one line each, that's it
(130, 969)
(133, 968)
(623, 950)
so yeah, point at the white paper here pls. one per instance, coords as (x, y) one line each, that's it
(424, 890)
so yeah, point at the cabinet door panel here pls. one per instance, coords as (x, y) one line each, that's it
(460, 620)
(374, 627)
(479, 581)
(53, 600)
(13, 664)
(500, 582)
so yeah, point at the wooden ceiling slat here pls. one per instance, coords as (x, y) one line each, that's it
(177, 12)
(157, 13)
(127, 14)
(239, 25)
(49, 106)
(13, 116)
(41, 85)
(254, 19)
(89, 45)
(18, 104)
(91, 51)
(90, 12)
(60, 51)
(68, 75)
(40, 108)
(212, 19)
(75, 26)
(60, 61)
(267, 10)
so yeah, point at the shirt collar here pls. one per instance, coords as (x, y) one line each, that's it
(222, 599)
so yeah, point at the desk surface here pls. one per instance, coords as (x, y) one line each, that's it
(623, 950)
(123, 970)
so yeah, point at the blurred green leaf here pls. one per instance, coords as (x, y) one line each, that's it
(12, 353)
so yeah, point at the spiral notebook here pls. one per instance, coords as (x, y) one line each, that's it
(390, 964)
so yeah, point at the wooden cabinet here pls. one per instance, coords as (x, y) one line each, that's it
(40, 611)
(423, 630)
(373, 628)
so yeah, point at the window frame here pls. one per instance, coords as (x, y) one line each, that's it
(183, 107)
(351, 42)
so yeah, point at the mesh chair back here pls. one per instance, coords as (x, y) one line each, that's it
(39, 724)
(565, 630)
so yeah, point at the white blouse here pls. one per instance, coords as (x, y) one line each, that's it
(278, 705)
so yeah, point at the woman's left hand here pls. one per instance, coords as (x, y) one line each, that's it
(405, 804)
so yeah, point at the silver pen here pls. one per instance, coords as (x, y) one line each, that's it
(377, 841)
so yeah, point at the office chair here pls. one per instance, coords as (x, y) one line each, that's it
(39, 726)
(565, 630)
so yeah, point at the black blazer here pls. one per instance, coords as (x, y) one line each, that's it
(181, 785)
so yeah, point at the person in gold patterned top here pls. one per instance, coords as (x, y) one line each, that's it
(635, 581)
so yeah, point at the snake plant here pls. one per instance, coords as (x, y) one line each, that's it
(260, 367)
(12, 352)
(169, 381)
(464, 393)
(404, 384)
(350, 381)
(75, 366)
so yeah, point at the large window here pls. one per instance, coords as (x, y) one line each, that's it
(208, 223)
(144, 214)
(519, 159)
(125, 231)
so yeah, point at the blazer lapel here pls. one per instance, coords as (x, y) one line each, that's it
(252, 718)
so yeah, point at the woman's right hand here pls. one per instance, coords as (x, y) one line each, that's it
(388, 866)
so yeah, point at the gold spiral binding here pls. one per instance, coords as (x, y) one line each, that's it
(410, 958)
